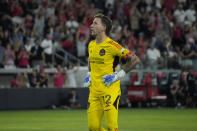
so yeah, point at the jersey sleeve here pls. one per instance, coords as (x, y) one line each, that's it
(118, 50)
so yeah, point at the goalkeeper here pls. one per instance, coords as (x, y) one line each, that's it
(104, 78)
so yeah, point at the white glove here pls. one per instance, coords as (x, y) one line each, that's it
(87, 81)
(109, 79)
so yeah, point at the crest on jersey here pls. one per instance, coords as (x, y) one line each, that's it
(102, 52)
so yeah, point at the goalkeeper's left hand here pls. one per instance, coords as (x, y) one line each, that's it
(109, 79)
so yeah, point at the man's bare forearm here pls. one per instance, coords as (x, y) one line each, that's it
(131, 63)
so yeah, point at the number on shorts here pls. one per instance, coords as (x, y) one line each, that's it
(107, 99)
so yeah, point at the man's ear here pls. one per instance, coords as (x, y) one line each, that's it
(104, 28)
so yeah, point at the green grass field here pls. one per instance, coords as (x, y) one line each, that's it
(76, 120)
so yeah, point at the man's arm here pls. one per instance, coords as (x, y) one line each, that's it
(131, 61)
(128, 63)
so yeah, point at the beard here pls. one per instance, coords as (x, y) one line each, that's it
(93, 34)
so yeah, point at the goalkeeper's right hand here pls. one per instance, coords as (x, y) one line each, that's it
(87, 81)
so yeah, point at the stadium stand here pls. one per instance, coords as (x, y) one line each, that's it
(162, 33)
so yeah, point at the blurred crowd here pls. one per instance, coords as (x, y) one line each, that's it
(39, 78)
(179, 87)
(161, 32)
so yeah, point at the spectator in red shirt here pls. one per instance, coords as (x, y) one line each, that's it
(17, 82)
(28, 23)
(23, 58)
(142, 43)
(83, 28)
(177, 36)
(67, 44)
(59, 77)
(16, 9)
(169, 4)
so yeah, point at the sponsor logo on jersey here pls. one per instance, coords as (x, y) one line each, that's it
(96, 60)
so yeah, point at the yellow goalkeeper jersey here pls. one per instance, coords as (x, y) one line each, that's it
(104, 58)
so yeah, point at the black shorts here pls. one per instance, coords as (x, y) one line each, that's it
(48, 58)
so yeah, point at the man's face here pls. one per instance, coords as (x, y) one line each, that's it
(97, 27)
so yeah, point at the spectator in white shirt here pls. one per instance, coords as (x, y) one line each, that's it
(81, 46)
(47, 45)
(179, 14)
(190, 14)
(70, 71)
(50, 10)
(39, 24)
(28, 46)
(72, 24)
(158, 4)
(153, 57)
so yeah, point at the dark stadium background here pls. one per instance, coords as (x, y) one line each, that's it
(162, 33)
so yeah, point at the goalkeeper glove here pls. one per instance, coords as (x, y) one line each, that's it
(87, 81)
(109, 79)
